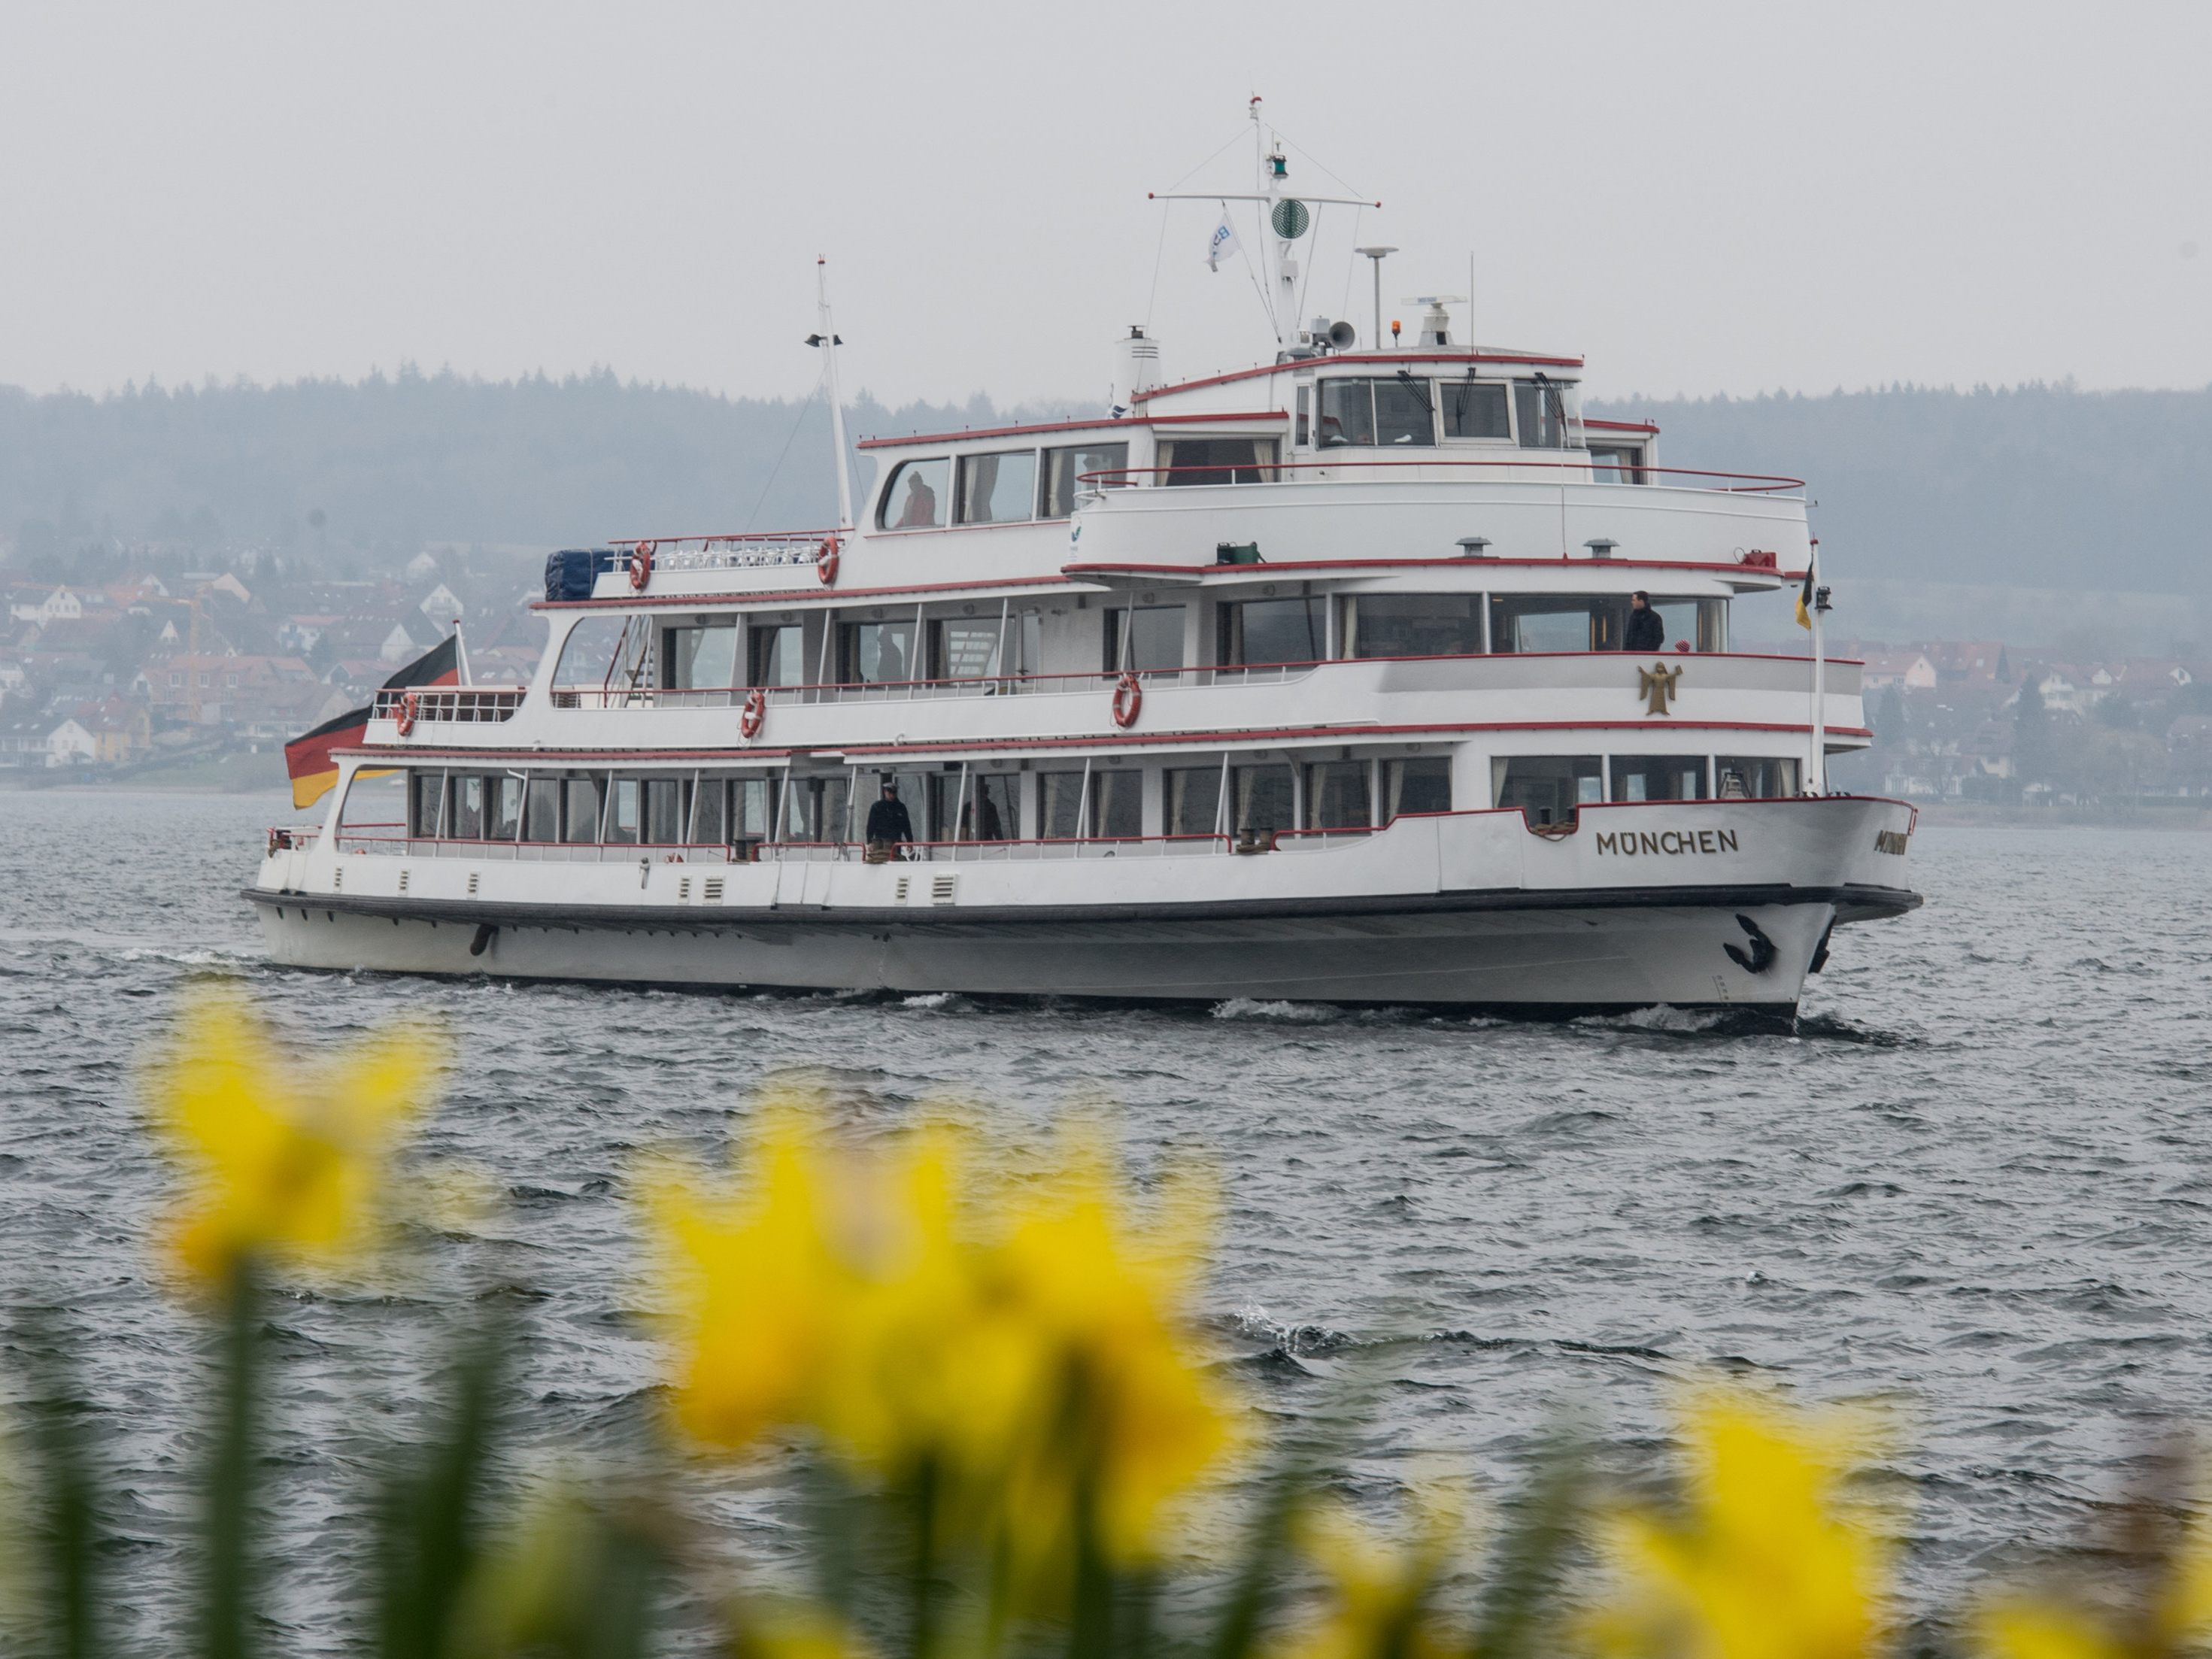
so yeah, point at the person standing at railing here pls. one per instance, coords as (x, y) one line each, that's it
(888, 825)
(1646, 630)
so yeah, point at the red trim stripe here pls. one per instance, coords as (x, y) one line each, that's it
(1391, 357)
(1104, 422)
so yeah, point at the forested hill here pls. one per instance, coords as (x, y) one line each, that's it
(2038, 486)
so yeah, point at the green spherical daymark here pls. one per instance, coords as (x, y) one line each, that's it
(1291, 220)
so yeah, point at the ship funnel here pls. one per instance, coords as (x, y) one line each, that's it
(1136, 367)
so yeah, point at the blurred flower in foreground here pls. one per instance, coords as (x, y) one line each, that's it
(288, 1162)
(1766, 1562)
(1382, 1593)
(2168, 1613)
(1025, 1345)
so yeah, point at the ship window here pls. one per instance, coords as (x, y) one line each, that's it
(1218, 461)
(814, 810)
(1262, 799)
(914, 497)
(426, 817)
(1060, 806)
(698, 657)
(1416, 786)
(1413, 624)
(664, 810)
(1474, 409)
(1117, 804)
(468, 815)
(588, 655)
(503, 806)
(710, 808)
(1384, 413)
(1273, 631)
(581, 809)
(1659, 777)
(776, 656)
(1301, 434)
(541, 814)
(622, 813)
(1336, 795)
(1616, 465)
(965, 649)
(1546, 622)
(750, 805)
(1155, 638)
(1547, 788)
(999, 488)
(1684, 624)
(878, 653)
(1547, 413)
(992, 809)
(1194, 800)
(1064, 470)
(1755, 777)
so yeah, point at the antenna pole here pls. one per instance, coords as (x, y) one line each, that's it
(828, 340)
(1820, 778)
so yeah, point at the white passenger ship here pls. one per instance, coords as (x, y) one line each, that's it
(1305, 681)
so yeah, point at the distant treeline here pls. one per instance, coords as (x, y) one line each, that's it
(2040, 485)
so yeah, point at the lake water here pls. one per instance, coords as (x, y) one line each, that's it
(1977, 1180)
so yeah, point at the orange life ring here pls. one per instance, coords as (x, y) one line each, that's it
(640, 567)
(1128, 699)
(408, 703)
(825, 561)
(756, 712)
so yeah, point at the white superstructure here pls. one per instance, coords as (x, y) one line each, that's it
(1301, 681)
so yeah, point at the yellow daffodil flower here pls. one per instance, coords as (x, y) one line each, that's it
(1379, 1592)
(288, 1162)
(1767, 1563)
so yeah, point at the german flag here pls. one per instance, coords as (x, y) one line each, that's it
(308, 759)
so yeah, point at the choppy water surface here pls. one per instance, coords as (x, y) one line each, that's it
(1975, 1180)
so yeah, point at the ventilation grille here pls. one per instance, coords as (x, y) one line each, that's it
(474, 877)
(940, 889)
(338, 879)
(683, 891)
(714, 893)
(898, 893)
(403, 881)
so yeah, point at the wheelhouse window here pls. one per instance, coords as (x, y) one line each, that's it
(1539, 622)
(878, 653)
(1155, 638)
(1659, 777)
(1547, 788)
(1413, 624)
(1474, 409)
(1420, 784)
(776, 655)
(913, 495)
(1548, 413)
(1376, 413)
(1218, 461)
(1273, 631)
(1064, 468)
(999, 488)
(1754, 777)
(699, 656)
(1618, 466)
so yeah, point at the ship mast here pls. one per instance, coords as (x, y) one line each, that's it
(828, 341)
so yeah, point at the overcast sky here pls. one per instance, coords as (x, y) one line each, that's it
(1701, 197)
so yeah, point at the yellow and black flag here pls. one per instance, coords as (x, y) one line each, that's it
(1805, 598)
(309, 759)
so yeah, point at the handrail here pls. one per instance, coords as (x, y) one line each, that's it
(740, 551)
(466, 705)
(1748, 484)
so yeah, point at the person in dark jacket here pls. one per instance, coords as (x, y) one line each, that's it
(1645, 630)
(888, 822)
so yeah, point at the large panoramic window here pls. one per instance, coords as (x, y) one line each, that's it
(1194, 800)
(695, 657)
(1155, 642)
(1273, 631)
(1379, 413)
(1659, 777)
(1420, 785)
(1064, 470)
(998, 489)
(967, 647)
(1218, 461)
(1541, 622)
(914, 497)
(1262, 799)
(777, 655)
(1754, 777)
(878, 653)
(1547, 788)
(1336, 795)
(1413, 624)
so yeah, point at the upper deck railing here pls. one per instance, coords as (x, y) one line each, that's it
(744, 551)
(463, 705)
(1589, 471)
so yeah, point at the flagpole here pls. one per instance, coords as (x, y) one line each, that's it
(461, 650)
(1817, 778)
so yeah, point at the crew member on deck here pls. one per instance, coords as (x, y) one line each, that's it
(1646, 632)
(888, 823)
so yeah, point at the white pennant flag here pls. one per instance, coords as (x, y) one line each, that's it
(1223, 243)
